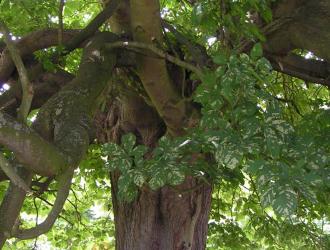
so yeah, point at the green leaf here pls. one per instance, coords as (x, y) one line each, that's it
(138, 179)
(256, 166)
(283, 199)
(220, 58)
(197, 14)
(128, 142)
(256, 51)
(156, 182)
(229, 156)
(209, 78)
(175, 177)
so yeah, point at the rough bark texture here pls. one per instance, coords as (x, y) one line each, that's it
(29, 44)
(11, 206)
(168, 218)
(163, 219)
(63, 126)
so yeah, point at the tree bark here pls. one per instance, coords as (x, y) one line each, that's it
(169, 218)
(166, 219)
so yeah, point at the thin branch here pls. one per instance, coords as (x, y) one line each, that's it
(30, 43)
(64, 184)
(197, 51)
(27, 88)
(11, 205)
(78, 215)
(156, 51)
(42, 185)
(9, 170)
(93, 26)
(294, 105)
(46, 38)
(51, 205)
(45, 84)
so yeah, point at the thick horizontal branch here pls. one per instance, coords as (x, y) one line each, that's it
(37, 154)
(310, 70)
(46, 38)
(297, 25)
(27, 45)
(307, 30)
(45, 84)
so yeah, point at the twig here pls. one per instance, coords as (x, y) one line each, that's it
(51, 205)
(42, 185)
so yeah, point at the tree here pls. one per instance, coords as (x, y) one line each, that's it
(184, 102)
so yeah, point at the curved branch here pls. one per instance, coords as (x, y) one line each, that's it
(9, 170)
(27, 45)
(27, 90)
(297, 25)
(46, 38)
(93, 26)
(310, 70)
(70, 130)
(28, 145)
(11, 204)
(64, 184)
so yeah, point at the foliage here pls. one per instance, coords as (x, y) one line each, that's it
(263, 140)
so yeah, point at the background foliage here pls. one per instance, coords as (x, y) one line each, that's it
(267, 136)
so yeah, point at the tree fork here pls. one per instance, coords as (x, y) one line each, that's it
(166, 218)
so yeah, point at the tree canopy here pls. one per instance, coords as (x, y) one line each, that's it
(224, 99)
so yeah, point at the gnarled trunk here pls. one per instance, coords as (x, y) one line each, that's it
(166, 219)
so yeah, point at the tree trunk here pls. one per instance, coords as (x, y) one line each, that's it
(166, 219)
(169, 218)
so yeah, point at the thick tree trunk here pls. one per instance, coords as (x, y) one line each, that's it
(169, 218)
(166, 219)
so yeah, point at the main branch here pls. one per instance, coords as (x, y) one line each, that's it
(152, 71)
